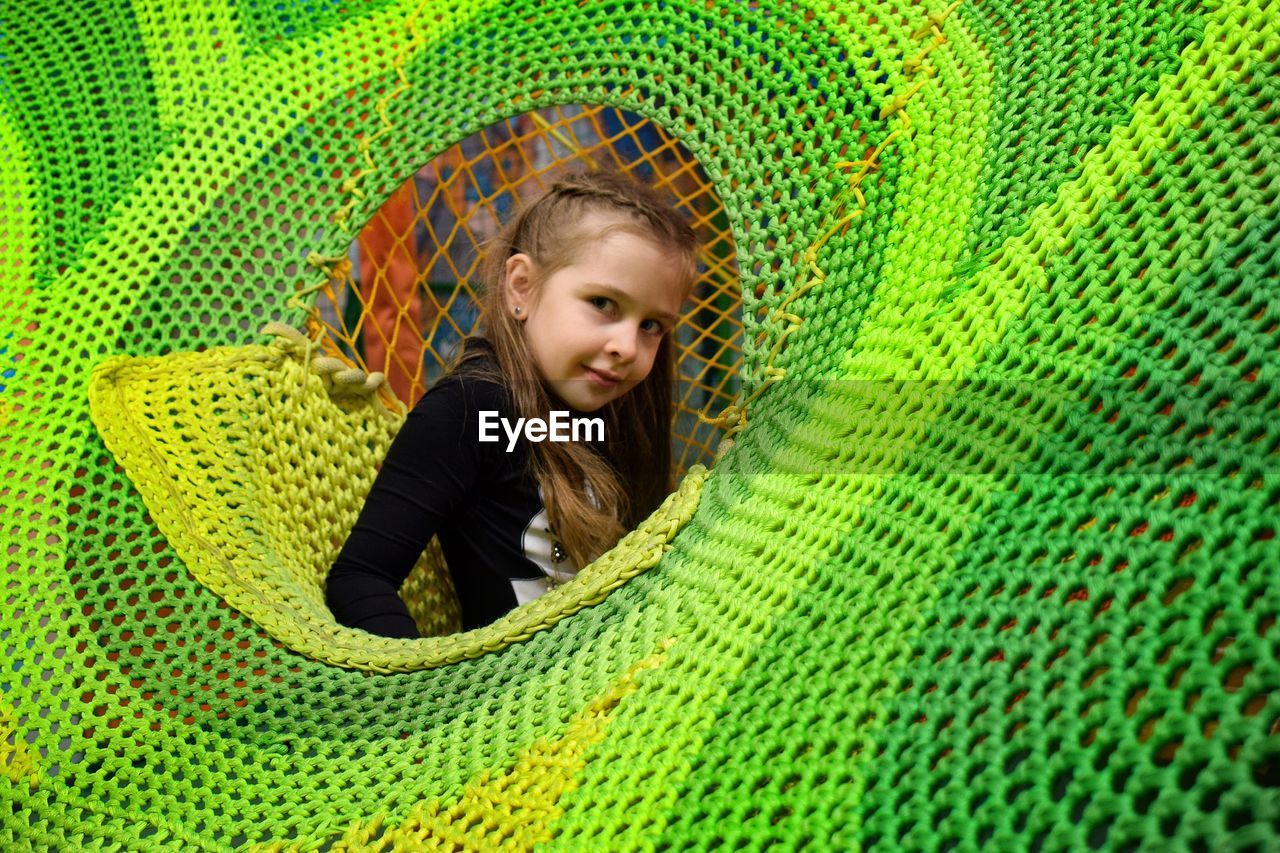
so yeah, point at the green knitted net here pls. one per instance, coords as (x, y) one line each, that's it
(989, 561)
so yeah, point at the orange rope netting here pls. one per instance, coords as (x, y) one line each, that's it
(409, 294)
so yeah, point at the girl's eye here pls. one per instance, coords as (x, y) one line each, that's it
(602, 302)
(655, 327)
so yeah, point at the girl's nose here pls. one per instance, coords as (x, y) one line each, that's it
(622, 344)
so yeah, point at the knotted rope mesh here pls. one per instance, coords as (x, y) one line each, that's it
(408, 290)
(990, 559)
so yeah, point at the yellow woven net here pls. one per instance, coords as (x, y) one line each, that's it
(410, 293)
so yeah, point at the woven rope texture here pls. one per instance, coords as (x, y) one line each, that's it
(401, 306)
(989, 560)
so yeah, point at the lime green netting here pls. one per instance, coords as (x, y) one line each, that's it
(991, 562)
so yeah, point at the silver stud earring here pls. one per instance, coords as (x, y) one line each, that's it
(519, 310)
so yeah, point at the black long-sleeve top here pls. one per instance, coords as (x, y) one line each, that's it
(481, 500)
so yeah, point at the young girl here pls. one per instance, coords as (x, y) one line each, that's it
(581, 293)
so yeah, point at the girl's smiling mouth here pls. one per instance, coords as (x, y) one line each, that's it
(601, 379)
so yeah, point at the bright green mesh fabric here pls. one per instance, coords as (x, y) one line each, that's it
(992, 562)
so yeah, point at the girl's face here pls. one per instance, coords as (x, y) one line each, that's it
(594, 327)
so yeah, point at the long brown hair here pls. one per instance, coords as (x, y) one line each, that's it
(636, 476)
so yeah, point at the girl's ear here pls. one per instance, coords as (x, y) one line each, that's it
(518, 284)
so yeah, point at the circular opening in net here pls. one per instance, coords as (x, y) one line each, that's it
(411, 295)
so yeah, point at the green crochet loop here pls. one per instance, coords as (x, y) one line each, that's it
(297, 441)
(990, 562)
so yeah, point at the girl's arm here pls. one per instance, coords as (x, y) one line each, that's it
(431, 467)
